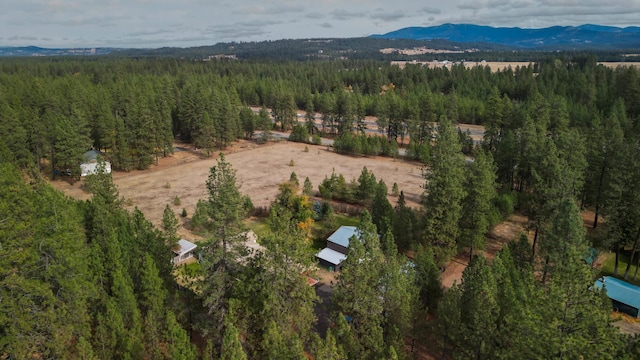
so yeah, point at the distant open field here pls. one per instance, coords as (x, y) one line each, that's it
(614, 65)
(496, 65)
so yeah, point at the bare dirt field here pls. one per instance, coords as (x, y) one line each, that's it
(496, 65)
(616, 64)
(498, 237)
(260, 168)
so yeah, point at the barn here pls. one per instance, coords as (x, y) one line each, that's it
(625, 296)
(337, 247)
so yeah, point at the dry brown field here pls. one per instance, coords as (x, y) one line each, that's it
(260, 168)
(498, 65)
(614, 65)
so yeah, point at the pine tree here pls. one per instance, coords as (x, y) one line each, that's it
(381, 209)
(328, 348)
(581, 315)
(178, 340)
(224, 214)
(405, 225)
(170, 225)
(478, 202)
(427, 278)
(278, 345)
(248, 120)
(231, 345)
(265, 124)
(307, 188)
(479, 309)
(357, 293)
(444, 192)
(293, 178)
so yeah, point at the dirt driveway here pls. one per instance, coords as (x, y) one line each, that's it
(260, 168)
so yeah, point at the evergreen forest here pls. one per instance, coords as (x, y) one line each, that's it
(92, 280)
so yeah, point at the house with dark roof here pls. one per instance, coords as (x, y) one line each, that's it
(337, 247)
(625, 296)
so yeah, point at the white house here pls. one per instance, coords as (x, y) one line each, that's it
(90, 163)
(183, 251)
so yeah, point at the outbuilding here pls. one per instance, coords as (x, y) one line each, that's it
(89, 165)
(337, 247)
(331, 258)
(339, 240)
(183, 251)
(625, 296)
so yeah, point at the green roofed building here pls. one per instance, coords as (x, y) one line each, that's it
(625, 296)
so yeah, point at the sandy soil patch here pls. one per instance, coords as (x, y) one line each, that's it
(614, 65)
(496, 239)
(260, 168)
(627, 324)
(496, 65)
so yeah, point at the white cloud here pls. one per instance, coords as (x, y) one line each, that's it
(84, 23)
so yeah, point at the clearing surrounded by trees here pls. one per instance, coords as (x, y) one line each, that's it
(260, 168)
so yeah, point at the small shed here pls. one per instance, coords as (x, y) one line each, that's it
(331, 258)
(625, 296)
(89, 165)
(183, 252)
(339, 240)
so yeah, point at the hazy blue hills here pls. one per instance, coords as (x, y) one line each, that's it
(560, 37)
(38, 51)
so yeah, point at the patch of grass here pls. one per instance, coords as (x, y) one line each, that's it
(346, 220)
(321, 230)
(258, 226)
(609, 263)
(191, 270)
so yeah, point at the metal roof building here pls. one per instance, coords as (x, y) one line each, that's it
(183, 251)
(625, 296)
(342, 235)
(331, 256)
(337, 247)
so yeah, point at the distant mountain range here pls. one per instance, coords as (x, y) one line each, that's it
(38, 51)
(555, 37)
(453, 37)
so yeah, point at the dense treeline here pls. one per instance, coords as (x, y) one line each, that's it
(369, 48)
(305, 49)
(133, 109)
(88, 279)
(83, 279)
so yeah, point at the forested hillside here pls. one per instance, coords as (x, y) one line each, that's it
(133, 109)
(92, 280)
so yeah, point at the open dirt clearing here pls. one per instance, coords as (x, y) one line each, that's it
(496, 239)
(496, 65)
(260, 168)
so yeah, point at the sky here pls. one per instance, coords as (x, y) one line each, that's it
(186, 23)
